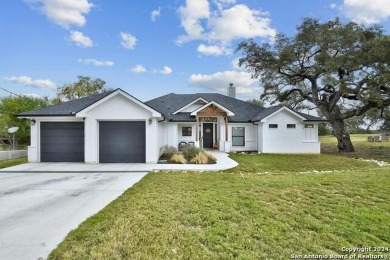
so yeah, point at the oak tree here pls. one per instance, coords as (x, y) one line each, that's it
(85, 86)
(10, 106)
(343, 70)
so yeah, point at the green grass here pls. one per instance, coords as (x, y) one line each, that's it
(287, 163)
(366, 150)
(269, 207)
(13, 162)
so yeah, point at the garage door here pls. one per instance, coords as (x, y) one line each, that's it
(62, 141)
(122, 142)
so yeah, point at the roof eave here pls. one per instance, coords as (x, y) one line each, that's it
(45, 115)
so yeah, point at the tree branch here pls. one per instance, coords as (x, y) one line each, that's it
(361, 110)
(303, 95)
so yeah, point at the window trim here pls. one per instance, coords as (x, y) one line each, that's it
(186, 131)
(291, 126)
(241, 136)
(273, 126)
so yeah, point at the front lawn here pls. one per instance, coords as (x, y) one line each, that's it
(271, 206)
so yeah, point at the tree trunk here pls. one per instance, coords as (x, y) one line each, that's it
(344, 143)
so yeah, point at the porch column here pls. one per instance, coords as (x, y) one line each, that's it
(197, 128)
(226, 128)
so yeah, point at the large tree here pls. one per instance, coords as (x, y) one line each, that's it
(85, 86)
(13, 105)
(340, 69)
(257, 102)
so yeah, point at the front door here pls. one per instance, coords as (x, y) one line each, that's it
(207, 135)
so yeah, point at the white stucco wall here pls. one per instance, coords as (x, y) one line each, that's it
(162, 136)
(172, 134)
(119, 108)
(260, 137)
(287, 140)
(250, 137)
(187, 139)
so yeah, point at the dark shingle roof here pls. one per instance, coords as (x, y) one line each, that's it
(243, 111)
(266, 112)
(270, 110)
(69, 108)
(168, 104)
(312, 118)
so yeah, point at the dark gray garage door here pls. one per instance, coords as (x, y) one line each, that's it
(122, 142)
(62, 141)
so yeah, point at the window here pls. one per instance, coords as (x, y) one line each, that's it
(290, 125)
(186, 131)
(273, 125)
(238, 136)
(310, 133)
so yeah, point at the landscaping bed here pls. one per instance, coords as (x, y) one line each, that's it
(187, 154)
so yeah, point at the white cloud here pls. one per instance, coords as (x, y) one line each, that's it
(64, 12)
(240, 22)
(27, 81)
(366, 11)
(218, 82)
(234, 64)
(154, 14)
(166, 70)
(191, 16)
(138, 69)
(96, 62)
(128, 41)
(221, 26)
(221, 4)
(214, 50)
(80, 39)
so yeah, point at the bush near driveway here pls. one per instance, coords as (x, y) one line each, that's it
(262, 209)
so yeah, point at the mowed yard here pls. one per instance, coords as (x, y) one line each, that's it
(269, 207)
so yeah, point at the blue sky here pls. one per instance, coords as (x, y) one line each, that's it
(151, 48)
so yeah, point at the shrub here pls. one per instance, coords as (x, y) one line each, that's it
(168, 151)
(178, 158)
(190, 152)
(200, 158)
(210, 157)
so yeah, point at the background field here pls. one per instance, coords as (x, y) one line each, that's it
(367, 150)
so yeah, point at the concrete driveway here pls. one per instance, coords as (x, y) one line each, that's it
(37, 210)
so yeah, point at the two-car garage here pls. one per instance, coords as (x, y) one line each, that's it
(119, 141)
(110, 127)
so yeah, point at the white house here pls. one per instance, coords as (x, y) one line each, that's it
(116, 127)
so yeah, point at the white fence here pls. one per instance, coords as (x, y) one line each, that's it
(6, 155)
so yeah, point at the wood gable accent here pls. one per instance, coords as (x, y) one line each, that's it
(210, 111)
